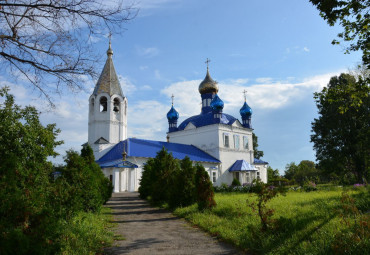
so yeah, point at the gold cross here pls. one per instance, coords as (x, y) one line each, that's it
(172, 98)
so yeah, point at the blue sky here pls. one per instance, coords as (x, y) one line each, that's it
(278, 50)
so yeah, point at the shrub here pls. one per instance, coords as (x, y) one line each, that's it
(235, 182)
(205, 194)
(310, 186)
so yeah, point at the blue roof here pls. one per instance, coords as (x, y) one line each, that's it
(207, 119)
(241, 165)
(148, 149)
(117, 163)
(258, 161)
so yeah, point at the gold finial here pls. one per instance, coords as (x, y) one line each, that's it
(245, 95)
(110, 51)
(172, 97)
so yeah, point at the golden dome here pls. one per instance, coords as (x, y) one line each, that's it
(208, 85)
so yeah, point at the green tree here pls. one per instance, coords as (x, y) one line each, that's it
(290, 170)
(184, 191)
(26, 216)
(272, 174)
(257, 154)
(205, 193)
(354, 17)
(341, 133)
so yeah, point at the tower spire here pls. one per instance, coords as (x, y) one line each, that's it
(245, 95)
(172, 97)
(207, 62)
(110, 51)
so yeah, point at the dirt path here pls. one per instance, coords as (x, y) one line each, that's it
(149, 230)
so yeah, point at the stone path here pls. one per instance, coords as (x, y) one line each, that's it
(149, 230)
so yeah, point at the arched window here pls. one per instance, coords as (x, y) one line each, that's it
(116, 105)
(103, 104)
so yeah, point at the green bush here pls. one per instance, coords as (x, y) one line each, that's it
(235, 182)
(205, 194)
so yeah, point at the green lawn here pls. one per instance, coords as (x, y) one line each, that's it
(308, 222)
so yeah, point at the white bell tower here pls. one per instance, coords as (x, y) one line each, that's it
(107, 110)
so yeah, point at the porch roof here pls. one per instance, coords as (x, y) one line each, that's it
(241, 165)
(117, 163)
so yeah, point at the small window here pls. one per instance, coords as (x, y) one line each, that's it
(258, 176)
(92, 103)
(245, 142)
(247, 177)
(226, 140)
(236, 142)
(214, 177)
(103, 104)
(116, 105)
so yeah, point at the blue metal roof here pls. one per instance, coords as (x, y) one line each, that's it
(118, 163)
(258, 161)
(241, 165)
(148, 149)
(207, 119)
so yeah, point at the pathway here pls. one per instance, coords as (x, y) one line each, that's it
(149, 230)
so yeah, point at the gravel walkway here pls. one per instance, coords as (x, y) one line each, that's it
(149, 230)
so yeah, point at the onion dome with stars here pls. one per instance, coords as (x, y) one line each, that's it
(217, 104)
(172, 117)
(172, 114)
(246, 113)
(208, 85)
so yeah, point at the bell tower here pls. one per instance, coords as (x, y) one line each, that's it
(107, 110)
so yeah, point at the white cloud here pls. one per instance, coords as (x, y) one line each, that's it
(143, 68)
(127, 87)
(147, 52)
(157, 74)
(146, 87)
(306, 49)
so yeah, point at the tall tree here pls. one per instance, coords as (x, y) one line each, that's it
(341, 133)
(354, 17)
(48, 42)
(257, 154)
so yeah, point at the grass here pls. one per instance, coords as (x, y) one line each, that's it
(88, 233)
(307, 221)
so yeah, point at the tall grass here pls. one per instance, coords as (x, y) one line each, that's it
(87, 233)
(307, 222)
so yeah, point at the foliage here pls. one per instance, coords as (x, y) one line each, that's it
(303, 172)
(184, 191)
(354, 17)
(257, 154)
(178, 183)
(341, 133)
(86, 233)
(235, 182)
(205, 194)
(272, 174)
(355, 239)
(307, 222)
(35, 209)
(48, 42)
(264, 194)
(310, 186)
(26, 216)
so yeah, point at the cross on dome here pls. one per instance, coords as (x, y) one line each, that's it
(172, 97)
(245, 95)
(207, 61)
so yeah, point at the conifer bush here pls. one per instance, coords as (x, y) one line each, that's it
(205, 194)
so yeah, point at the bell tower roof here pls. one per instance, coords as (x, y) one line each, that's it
(108, 81)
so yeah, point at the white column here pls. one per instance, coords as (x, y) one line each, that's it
(116, 180)
(122, 177)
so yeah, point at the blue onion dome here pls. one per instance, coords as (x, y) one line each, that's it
(172, 114)
(208, 85)
(217, 104)
(245, 111)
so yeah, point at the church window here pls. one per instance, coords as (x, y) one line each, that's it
(214, 176)
(116, 105)
(236, 142)
(226, 140)
(247, 177)
(103, 104)
(258, 176)
(245, 142)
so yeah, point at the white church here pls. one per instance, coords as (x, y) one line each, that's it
(218, 141)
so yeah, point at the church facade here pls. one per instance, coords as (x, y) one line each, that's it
(218, 141)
